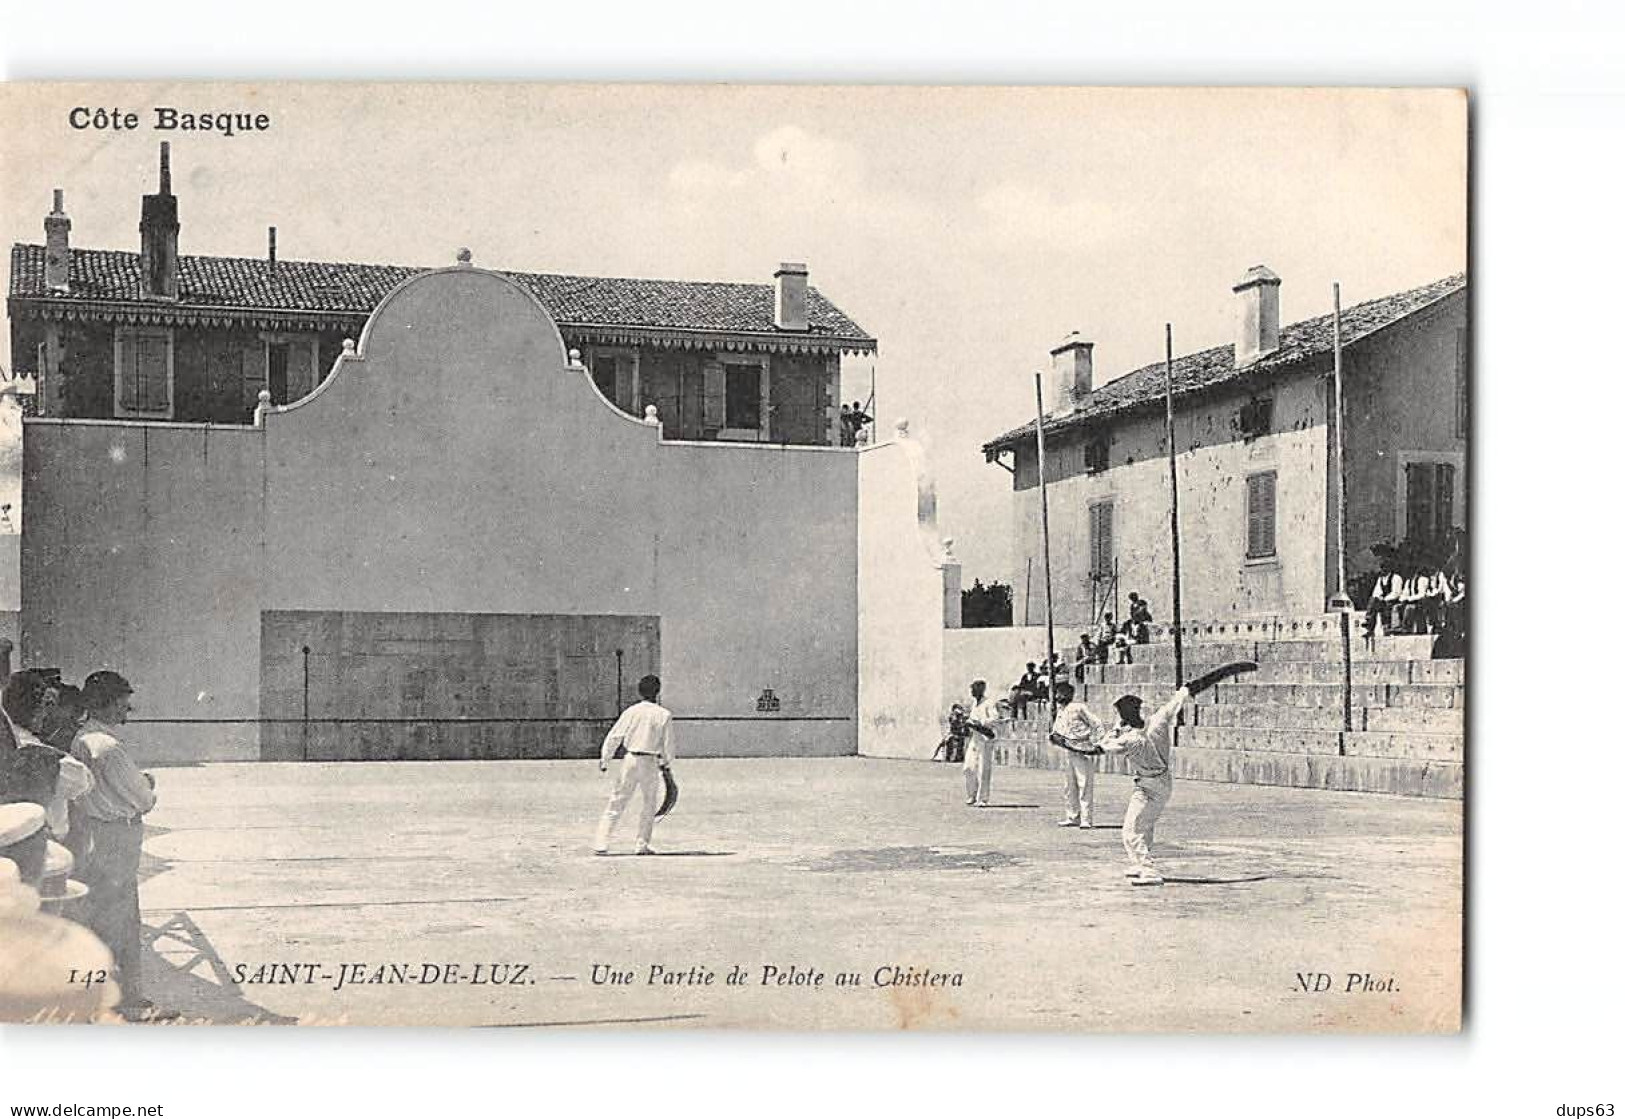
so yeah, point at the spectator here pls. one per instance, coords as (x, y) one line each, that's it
(1124, 644)
(849, 435)
(1105, 638)
(952, 746)
(1385, 600)
(860, 420)
(1139, 619)
(55, 778)
(1414, 595)
(1018, 701)
(122, 796)
(1030, 686)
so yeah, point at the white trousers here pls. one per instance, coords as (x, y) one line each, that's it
(1080, 786)
(978, 769)
(1145, 805)
(638, 771)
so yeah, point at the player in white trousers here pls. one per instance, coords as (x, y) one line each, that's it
(645, 730)
(1149, 746)
(1076, 730)
(984, 722)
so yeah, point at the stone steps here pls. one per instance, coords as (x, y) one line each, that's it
(1157, 675)
(1428, 765)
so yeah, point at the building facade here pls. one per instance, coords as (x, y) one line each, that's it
(1256, 462)
(157, 335)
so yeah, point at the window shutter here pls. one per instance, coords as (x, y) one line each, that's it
(716, 396)
(154, 374)
(129, 377)
(1100, 539)
(1444, 500)
(1261, 515)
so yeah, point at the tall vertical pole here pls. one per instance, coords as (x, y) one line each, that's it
(1340, 599)
(1173, 505)
(1043, 514)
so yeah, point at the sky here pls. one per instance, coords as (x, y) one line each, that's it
(968, 229)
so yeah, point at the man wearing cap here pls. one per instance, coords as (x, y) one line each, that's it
(1076, 730)
(1149, 746)
(644, 729)
(115, 806)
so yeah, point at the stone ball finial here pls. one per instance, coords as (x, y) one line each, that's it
(575, 356)
(948, 548)
(465, 257)
(651, 415)
(902, 429)
(265, 397)
(349, 345)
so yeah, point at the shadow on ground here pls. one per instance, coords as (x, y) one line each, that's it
(183, 974)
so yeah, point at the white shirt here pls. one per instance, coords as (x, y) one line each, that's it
(1078, 725)
(986, 713)
(643, 728)
(1150, 748)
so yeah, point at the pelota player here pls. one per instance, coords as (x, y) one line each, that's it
(1149, 744)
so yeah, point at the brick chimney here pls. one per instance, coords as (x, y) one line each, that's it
(1073, 363)
(58, 256)
(1258, 315)
(160, 236)
(790, 296)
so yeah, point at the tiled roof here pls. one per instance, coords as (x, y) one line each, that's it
(355, 289)
(1208, 369)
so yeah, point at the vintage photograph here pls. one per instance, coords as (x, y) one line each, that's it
(788, 557)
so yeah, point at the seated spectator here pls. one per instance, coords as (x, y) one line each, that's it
(1031, 683)
(1139, 619)
(860, 422)
(952, 747)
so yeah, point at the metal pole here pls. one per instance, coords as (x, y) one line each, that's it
(304, 723)
(1340, 599)
(1043, 513)
(620, 655)
(1173, 505)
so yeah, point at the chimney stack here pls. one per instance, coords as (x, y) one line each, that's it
(1073, 363)
(58, 256)
(790, 296)
(160, 236)
(1259, 314)
(270, 250)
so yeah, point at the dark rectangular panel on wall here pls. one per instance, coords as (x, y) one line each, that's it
(386, 686)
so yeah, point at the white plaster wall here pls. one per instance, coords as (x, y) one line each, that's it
(900, 606)
(455, 464)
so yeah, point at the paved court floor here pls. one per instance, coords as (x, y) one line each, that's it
(464, 893)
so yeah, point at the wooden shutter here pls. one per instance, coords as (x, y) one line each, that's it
(1419, 484)
(1261, 515)
(1444, 499)
(1100, 539)
(716, 396)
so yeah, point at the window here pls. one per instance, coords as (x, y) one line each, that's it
(144, 374)
(1261, 515)
(1430, 495)
(743, 404)
(615, 372)
(276, 371)
(1461, 382)
(1256, 417)
(1100, 540)
(1096, 455)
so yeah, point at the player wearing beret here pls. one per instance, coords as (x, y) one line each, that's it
(1149, 745)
